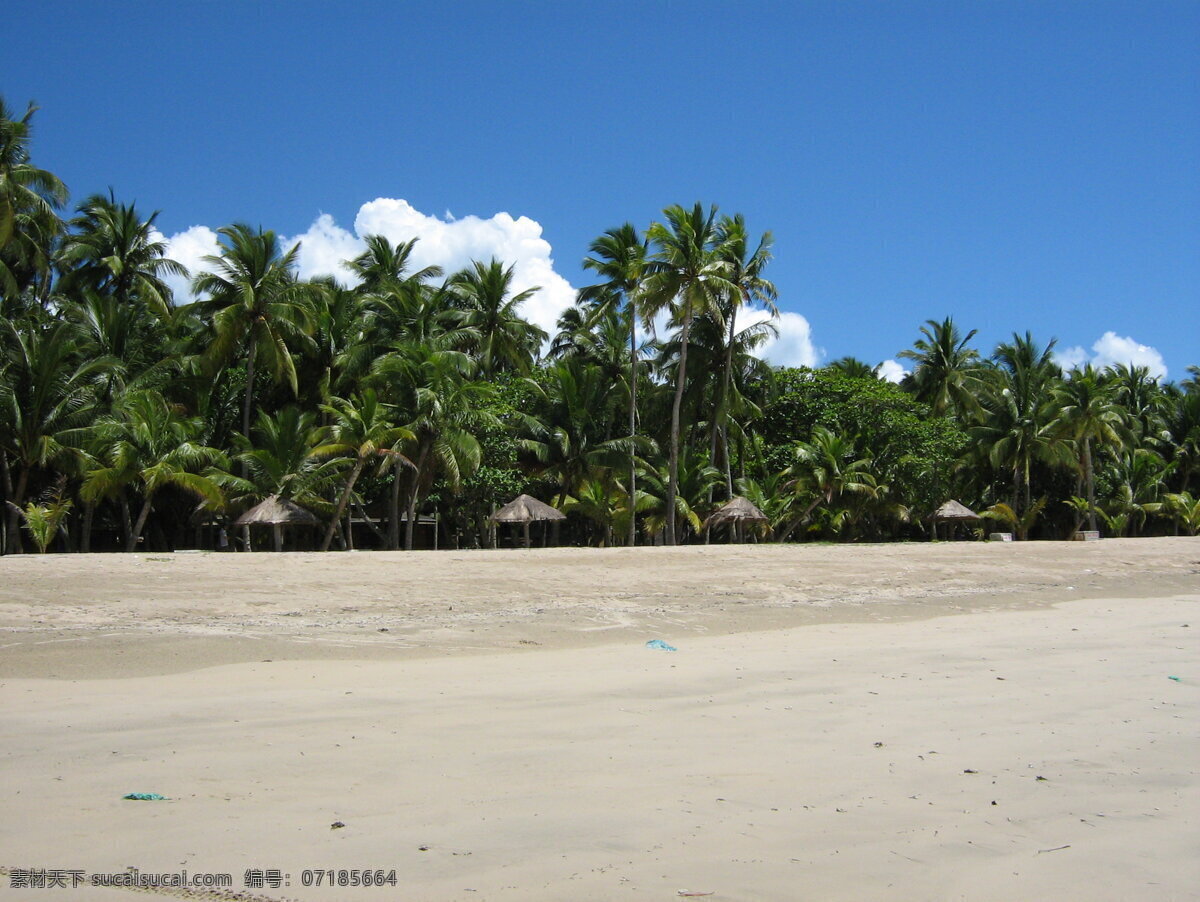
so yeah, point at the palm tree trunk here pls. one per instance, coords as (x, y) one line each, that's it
(1089, 477)
(412, 497)
(13, 534)
(804, 516)
(713, 438)
(139, 525)
(1028, 487)
(728, 459)
(126, 523)
(85, 538)
(725, 401)
(393, 536)
(341, 506)
(247, 399)
(632, 424)
(673, 464)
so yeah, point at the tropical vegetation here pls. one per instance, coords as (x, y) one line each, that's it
(402, 406)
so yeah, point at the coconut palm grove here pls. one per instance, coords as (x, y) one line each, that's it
(403, 409)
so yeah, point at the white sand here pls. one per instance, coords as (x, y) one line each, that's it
(589, 767)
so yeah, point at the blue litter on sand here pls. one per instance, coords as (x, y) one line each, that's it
(660, 644)
(1175, 678)
(145, 797)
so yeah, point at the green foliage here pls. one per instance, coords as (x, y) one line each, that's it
(412, 388)
(43, 520)
(915, 454)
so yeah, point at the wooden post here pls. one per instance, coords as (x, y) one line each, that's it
(277, 531)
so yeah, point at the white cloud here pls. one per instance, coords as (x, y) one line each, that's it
(891, 371)
(446, 242)
(188, 247)
(323, 250)
(452, 244)
(1069, 358)
(793, 346)
(1111, 349)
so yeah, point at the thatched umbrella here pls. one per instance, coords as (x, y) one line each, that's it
(277, 512)
(524, 509)
(736, 510)
(953, 512)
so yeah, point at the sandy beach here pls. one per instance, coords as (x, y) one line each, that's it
(891, 722)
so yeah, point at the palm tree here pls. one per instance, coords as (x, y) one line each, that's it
(29, 199)
(383, 267)
(1015, 427)
(1182, 420)
(447, 407)
(255, 307)
(853, 367)
(688, 277)
(112, 251)
(746, 273)
(342, 345)
(147, 442)
(598, 500)
(48, 390)
(364, 430)
(1088, 415)
(500, 340)
(717, 354)
(697, 479)
(1185, 509)
(946, 372)
(570, 442)
(823, 469)
(1142, 399)
(43, 521)
(769, 496)
(619, 256)
(281, 459)
(403, 304)
(124, 333)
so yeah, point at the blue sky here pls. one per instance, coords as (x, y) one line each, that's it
(1015, 165)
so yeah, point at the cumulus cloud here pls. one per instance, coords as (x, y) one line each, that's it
(891, 371)
(443, 241)
(446, 242)
(324, 248)
(188, 247)
(1111, 349)
(793, 346)
(452, 244)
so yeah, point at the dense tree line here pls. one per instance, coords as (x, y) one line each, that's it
(130, 418)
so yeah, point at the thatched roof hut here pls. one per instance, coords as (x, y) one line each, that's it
(277, 512)
(953, 510)
(736, 510)
(525, 509)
